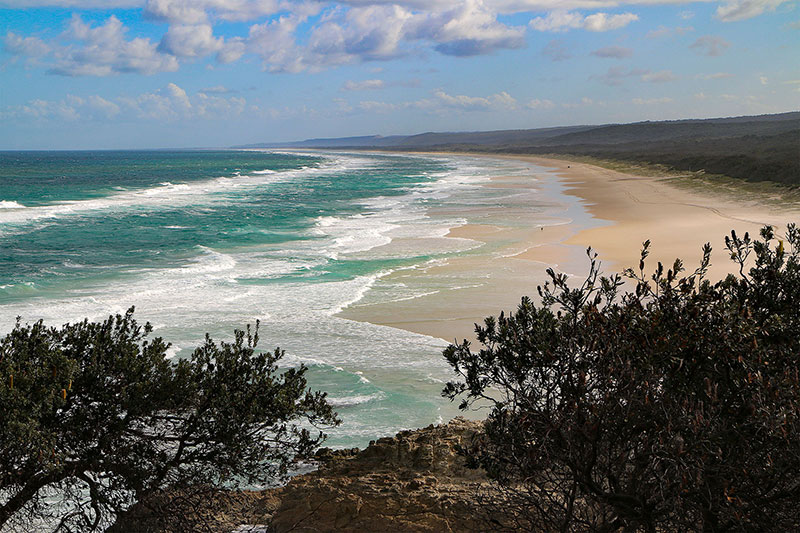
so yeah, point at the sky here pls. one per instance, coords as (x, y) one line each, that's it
(108, 74)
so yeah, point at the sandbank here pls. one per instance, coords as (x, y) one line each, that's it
(586, 206)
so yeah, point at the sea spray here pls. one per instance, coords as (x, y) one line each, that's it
(210, 241)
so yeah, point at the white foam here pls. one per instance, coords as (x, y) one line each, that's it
(350, 401)
(10, 204)
(168, 195)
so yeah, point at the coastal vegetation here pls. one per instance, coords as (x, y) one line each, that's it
(631, 402)
(671, 407)
(95, 417)
(750, 148)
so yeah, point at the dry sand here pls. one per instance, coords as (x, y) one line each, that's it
(609, 211)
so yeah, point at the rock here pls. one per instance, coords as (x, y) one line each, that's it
(414, 481)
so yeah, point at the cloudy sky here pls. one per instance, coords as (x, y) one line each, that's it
(181, 73)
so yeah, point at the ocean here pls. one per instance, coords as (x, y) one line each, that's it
(209, 241)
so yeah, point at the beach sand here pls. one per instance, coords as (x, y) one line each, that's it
(607, 210)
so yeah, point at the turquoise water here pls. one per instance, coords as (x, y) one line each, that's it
(208, 241)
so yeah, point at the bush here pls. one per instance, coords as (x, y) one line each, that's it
(94, 418)
(675, 407)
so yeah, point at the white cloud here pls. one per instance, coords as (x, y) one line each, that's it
(501, 100)
(371, 106)
(216, 89)
(167, 104)
(470, 29)
(663, 31)
(212, 106)
(659, 77)
(734, 10)
(557, 21)
(560, 20)
(651, 101)
(615, 52)
(102, 50)
(604, 22)
(25, 46)
(363, 85)
(380, 32)
(201, 11)
(710, 45)
(349, 31)
(274, 42)
(540, 104)
(714, 76)
(190, 41)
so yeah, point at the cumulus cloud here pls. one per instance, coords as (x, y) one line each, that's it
(714, 76)
(349, 31)
(216, 89)
(166, 104)
(651, 101)
(190, 41)
(440, 103)
(561, 20)
(659, 77)
(70, 109)
(540, 104)
(274, 42)
(99, 50)
(616, 76)
(201, 11)
(380, 32)
(663, 31)
(605, 22)
(710, 45)
(25, 46)
(501, 100)
(734, 10)
(470, 29)
(363, 85)
(614, 52)
(231, 50)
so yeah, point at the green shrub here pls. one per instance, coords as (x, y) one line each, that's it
(94, 418)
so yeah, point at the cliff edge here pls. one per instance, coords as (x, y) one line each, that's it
(414, 481)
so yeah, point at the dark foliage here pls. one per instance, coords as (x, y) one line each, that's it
(675, 407)
(754, 148)
(94, 418)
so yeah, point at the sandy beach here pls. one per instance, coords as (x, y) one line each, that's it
(588, 206)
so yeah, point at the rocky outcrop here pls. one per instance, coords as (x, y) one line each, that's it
(414, 481)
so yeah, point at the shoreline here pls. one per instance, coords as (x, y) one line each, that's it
(623, 211)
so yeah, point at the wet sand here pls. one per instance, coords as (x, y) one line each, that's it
(607, 210)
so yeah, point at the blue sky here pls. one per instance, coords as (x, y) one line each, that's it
(206, 73)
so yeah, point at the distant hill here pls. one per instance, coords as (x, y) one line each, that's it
(755, 148)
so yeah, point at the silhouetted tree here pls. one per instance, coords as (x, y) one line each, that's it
(94, 417)
(675, 407)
